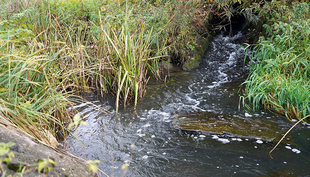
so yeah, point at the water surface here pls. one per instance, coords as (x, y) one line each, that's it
(150, 140)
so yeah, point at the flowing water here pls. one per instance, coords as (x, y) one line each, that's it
(155, 140)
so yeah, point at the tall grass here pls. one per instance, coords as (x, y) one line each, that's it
(129, 53)
(51, 50)
(29, 98)
(280, 70)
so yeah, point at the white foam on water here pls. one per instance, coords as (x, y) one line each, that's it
(296, 151)
(191, 100)
(141, 134)
(223, 140)
(215, 137)
(146, 125)
(247, 115)
(294, 120)
(288, 147)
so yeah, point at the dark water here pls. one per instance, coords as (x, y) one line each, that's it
(152, 145)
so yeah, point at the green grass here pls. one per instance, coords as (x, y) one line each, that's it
(51, 50)
(280, 70)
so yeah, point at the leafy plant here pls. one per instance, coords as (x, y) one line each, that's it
(5, 154)
(46, 165)
(93, 167)
(280, 74)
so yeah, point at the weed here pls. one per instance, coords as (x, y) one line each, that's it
(46, 165)
(280, 72)
(5, 154)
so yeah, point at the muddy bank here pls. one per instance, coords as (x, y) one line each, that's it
(28, 154)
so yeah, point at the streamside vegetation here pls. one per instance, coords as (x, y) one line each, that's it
(280, 69)
(51, 50)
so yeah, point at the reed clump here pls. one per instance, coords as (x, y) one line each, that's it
(51, 50)
(280, 69)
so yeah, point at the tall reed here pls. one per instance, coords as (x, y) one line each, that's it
(29, 98)
(128, 52)
(51, 50)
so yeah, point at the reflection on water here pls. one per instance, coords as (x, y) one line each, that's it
(147, 140)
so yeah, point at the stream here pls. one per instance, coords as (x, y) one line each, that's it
(192, 126)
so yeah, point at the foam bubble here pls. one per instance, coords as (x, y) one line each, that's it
(147, 125)
(215, 137)
(296, 151)
(288, 147)
(223, 140)
(247, 115)
(141, 134)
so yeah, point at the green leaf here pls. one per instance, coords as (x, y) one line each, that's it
(41, 166)
(126, 165)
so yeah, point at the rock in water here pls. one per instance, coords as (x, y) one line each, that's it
(230, 126)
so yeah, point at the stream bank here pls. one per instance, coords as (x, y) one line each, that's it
(28, 154)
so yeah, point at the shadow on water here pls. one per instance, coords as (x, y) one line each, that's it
(166, 134)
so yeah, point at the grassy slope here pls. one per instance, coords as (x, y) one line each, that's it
(280, 70)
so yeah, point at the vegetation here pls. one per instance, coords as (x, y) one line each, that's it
(51, 50)
(5, 155)
(280, 68)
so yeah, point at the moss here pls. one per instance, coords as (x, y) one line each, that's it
(196, 55)
(229, 125)
(190, 65)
